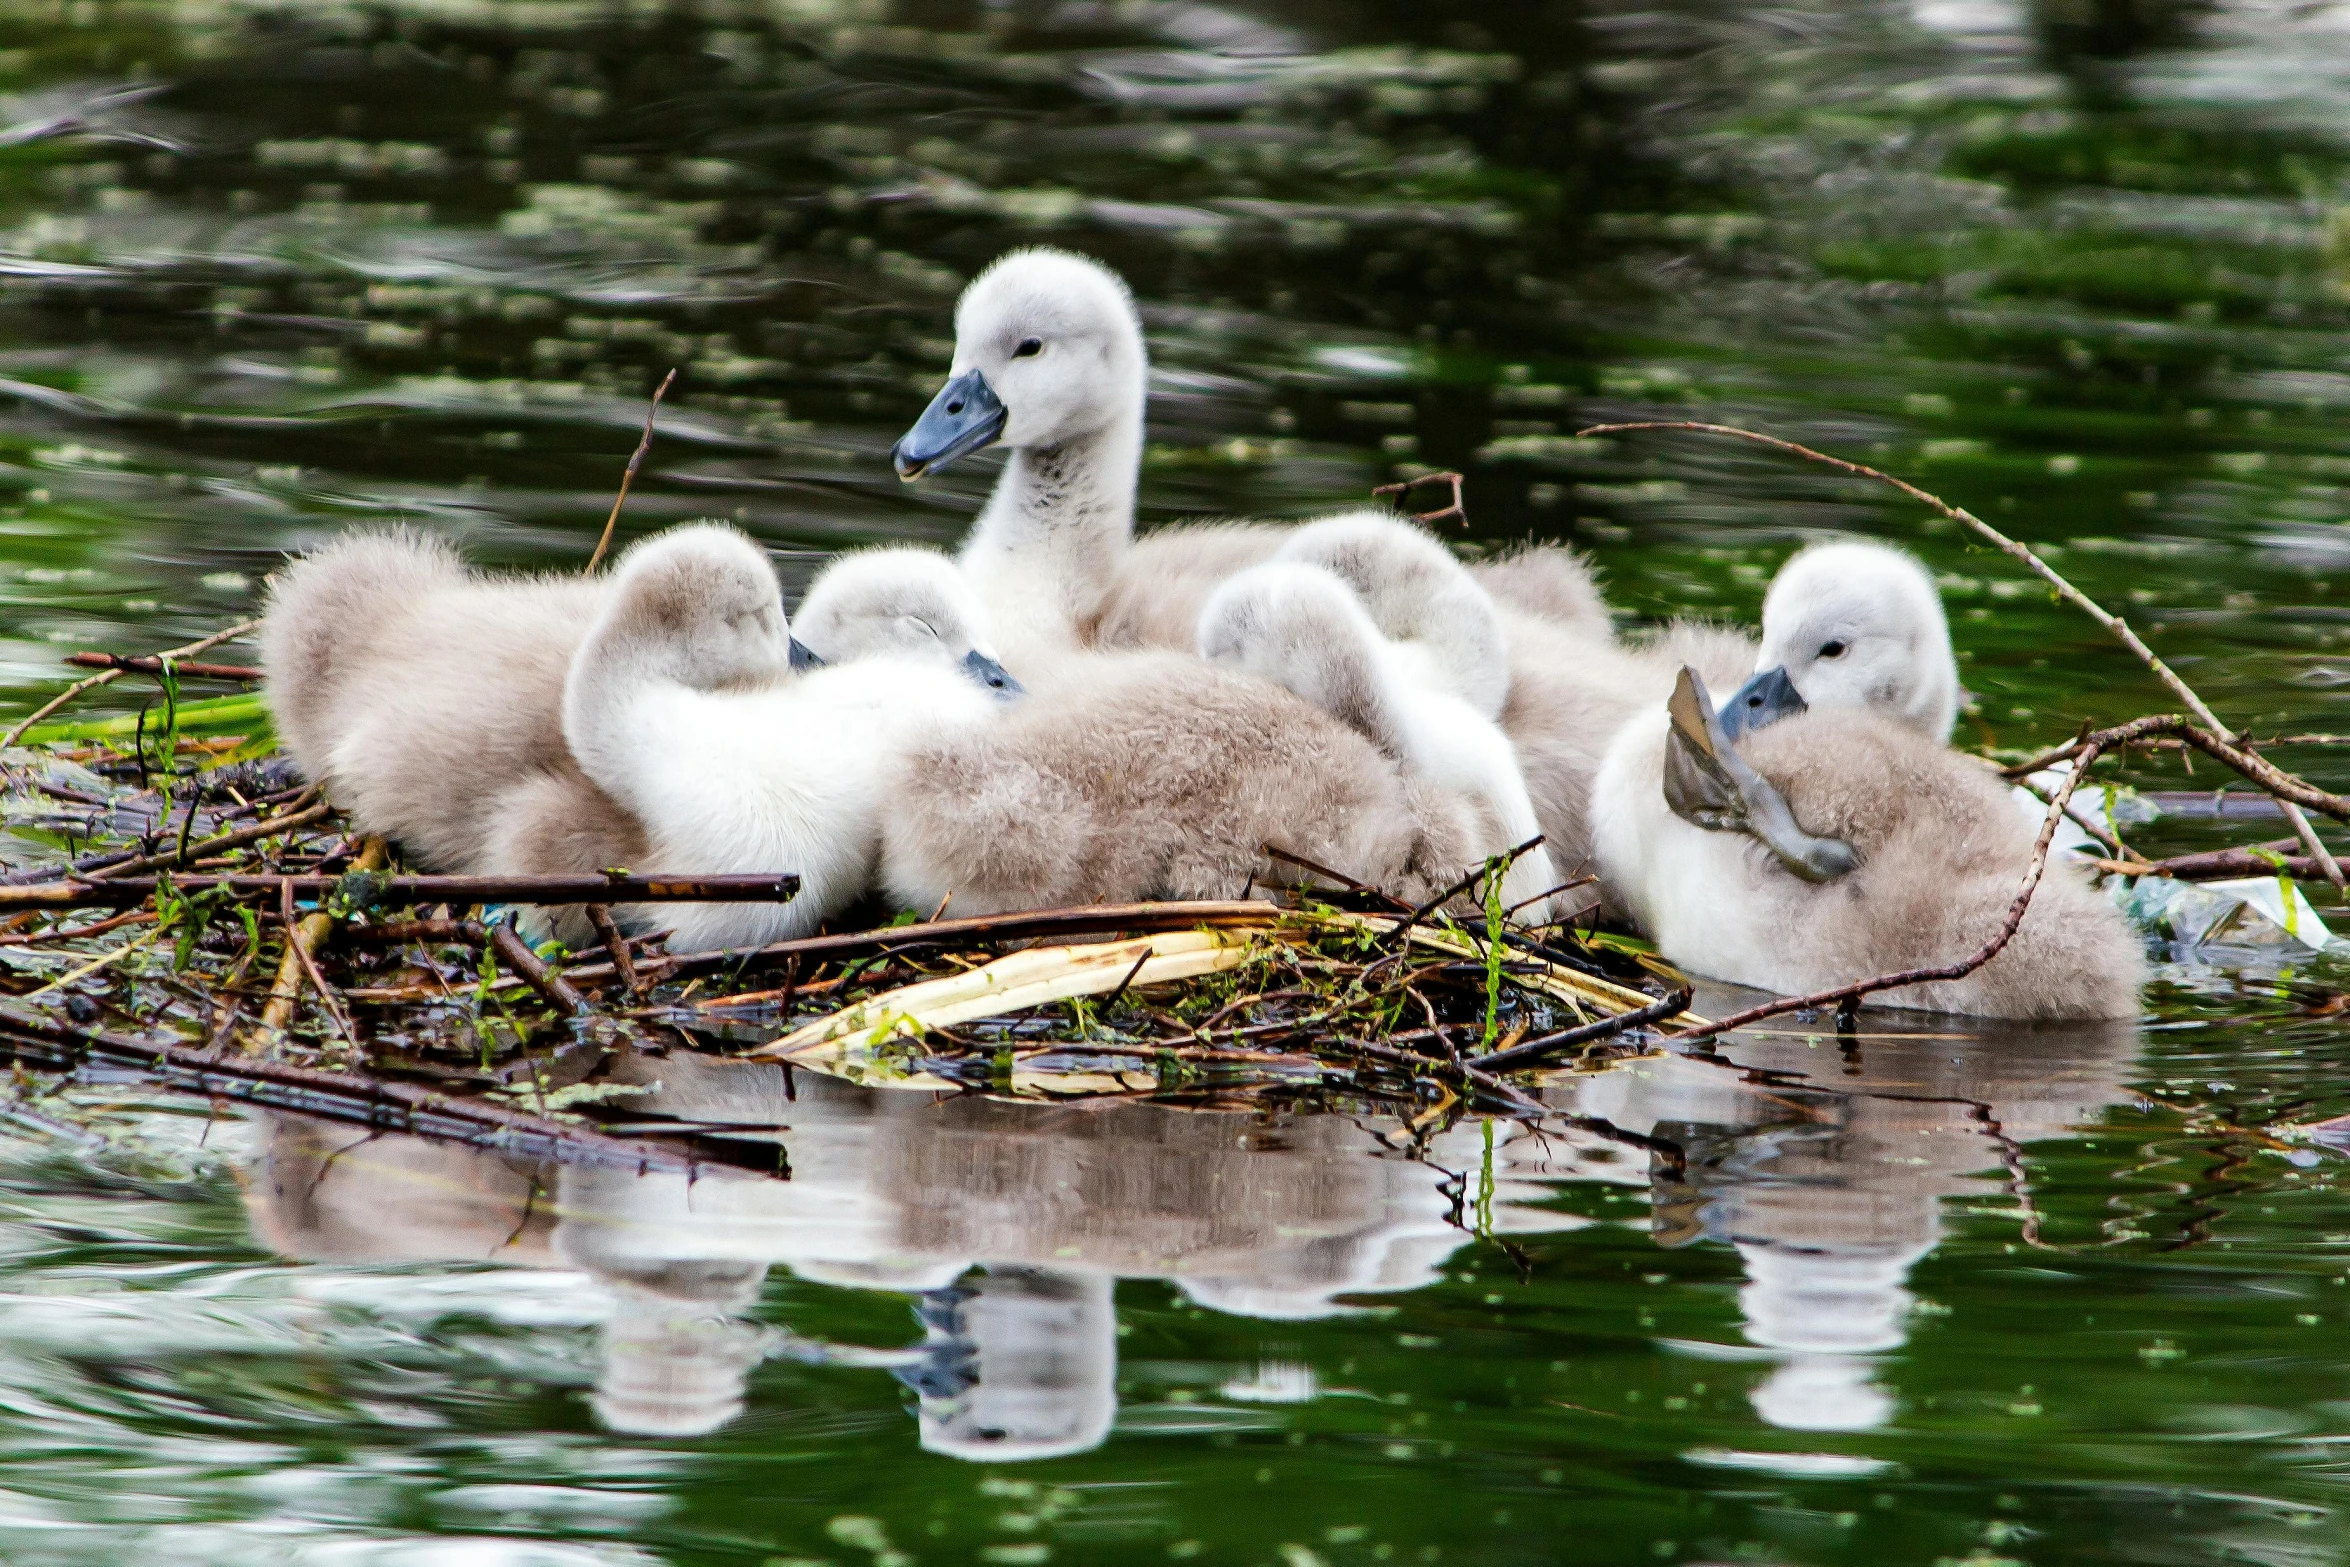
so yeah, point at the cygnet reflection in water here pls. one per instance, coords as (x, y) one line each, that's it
(1007, 1225)
(1829, 1180)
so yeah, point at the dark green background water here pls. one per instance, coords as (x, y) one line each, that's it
(2083, 265)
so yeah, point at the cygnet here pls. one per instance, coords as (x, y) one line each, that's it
(1303, 628)
(1049, 362)
(673, 706)
(1839, 844)
(1158, 775)
(1852, 624)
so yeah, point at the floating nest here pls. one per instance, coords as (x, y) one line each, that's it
(176, 905)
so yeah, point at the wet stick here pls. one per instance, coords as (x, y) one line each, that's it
(394, 891)
(535, 971)
(302, 939)
(636, 460)
(600, 917)
(109, 676)
(2114, 624)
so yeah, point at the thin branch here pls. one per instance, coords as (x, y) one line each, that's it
(109, 676)
(1456, 509)
(153, 665)
(536, 973)
(394, 891)
(636, 460)
(600, 917)
(1534, 1052)
(1966, 519)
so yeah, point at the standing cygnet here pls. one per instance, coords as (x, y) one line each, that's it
(1852, 624)
(1301, 627)
(1840, 844)
(1049, 361)
(674, 708)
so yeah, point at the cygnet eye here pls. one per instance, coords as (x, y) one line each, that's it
(1832, 650)
(1029, 348)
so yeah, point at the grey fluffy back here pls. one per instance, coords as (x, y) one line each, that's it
(417, 692)
(1154, 775)
(1943, 849)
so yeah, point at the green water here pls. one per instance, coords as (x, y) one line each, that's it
(1969, 1295)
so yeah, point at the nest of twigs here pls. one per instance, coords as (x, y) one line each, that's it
(182, 908)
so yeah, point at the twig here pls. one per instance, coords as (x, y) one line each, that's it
(92, 967)
(1456, 509)
(518, 956)
(600, 916)
(1536, 1050)
(328, 997)
(252, 833)
(628, 475)
(109, 676)
(302, 937)
(97, 928)
(151, 664)
(2218, 864)
(1113, 998)
(361, 1100)
(1949, 971)
(393, 891)
(1505, 861)
(1340, 877)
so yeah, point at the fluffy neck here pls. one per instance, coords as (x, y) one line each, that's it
(1044, 551)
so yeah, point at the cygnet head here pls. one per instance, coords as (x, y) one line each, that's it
(1048, 350)
(904, 601)
(701, 604)
(1299, 626)
(1851, 624)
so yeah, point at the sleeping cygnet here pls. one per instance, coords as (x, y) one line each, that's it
(1845, 625)
(1129, 776)
(1301, 627)
(1838, 844)
(672, 707)
(419, 691)
(912, 602)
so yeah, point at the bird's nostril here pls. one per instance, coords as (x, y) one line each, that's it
(954, 408)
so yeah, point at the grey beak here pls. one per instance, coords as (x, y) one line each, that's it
(964, 416)
(1765, 699)
(1709, 785)
(992, 675)
(804, 656)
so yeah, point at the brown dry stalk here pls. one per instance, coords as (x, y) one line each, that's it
(2113, 623)
(109, 676)
(302, 938)
(644, 444)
